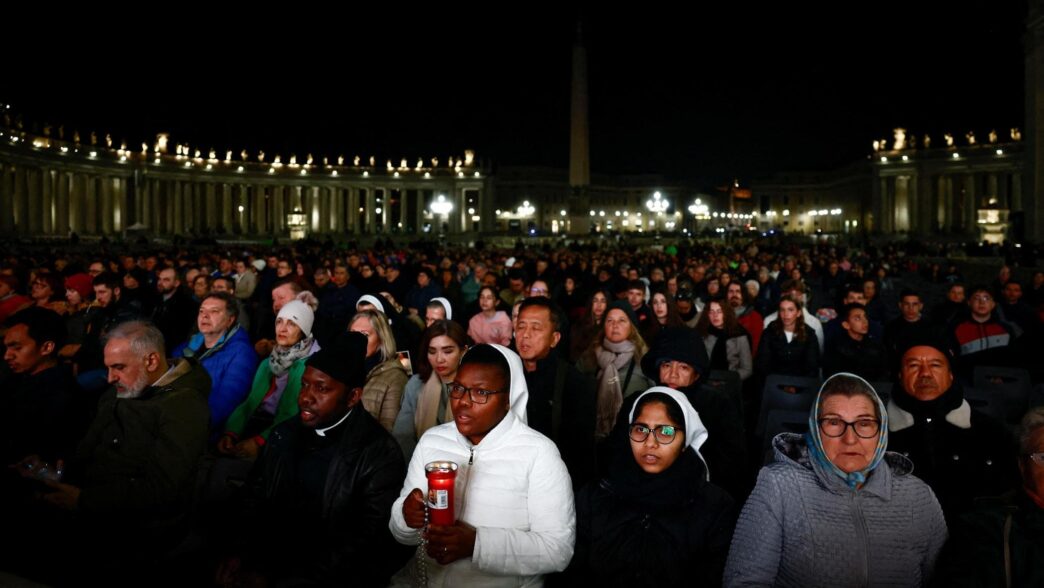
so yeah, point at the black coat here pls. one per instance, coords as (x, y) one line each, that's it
(338, 534)
(621, 541)
(959, 464)
(865, 358)
(796, 358)
(575, 436)
(176, 318)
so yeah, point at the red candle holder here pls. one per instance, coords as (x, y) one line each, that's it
(441, 476)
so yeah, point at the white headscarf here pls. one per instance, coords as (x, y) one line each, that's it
(519, 392)
(373, 300)
(445, 304)
(695, 432)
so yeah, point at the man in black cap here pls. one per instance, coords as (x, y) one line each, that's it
(322, 491)
(960, 452)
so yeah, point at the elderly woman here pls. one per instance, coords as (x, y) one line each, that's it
(425, 402)
(834, 509)
(490, 325)
(727, 343)
(654, 519)
(277, 382)
(385, 375)
(1001, 543)
(513, 498)
(613, 359)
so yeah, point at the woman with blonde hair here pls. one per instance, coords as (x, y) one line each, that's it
(385, 375)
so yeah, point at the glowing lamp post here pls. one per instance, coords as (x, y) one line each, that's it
(441, 207)
(657, 205)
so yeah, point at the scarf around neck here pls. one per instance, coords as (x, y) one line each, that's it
(434, 394)
(281, 358)
(612, 357)
(814, 440)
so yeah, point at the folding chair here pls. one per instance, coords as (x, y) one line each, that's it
(783, 392)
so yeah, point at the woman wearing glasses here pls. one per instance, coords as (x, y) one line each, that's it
(513, 498)
(654, 520)
(834, 509)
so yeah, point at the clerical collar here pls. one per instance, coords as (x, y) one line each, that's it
(322, 432)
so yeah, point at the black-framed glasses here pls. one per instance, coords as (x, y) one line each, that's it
(836, 427)
(477, 395)
(1038, 458)
(664, 434)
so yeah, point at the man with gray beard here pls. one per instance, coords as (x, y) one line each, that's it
(131, 480)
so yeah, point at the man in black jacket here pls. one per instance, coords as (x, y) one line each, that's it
(856, 352)
(318, 501)
(175, 312)
(561, 399)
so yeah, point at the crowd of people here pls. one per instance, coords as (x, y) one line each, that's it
(267, 416)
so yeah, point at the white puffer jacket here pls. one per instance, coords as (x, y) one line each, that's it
(512, 487)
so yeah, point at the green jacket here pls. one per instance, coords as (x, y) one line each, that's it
(287, 407)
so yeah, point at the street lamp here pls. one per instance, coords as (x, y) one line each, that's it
(526, 209)
(441, 207)
(657, 204)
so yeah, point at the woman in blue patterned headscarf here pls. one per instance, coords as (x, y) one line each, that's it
(834, 508)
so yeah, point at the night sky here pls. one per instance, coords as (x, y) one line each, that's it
(719, 93)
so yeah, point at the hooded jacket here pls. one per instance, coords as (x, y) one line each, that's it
(231, 364)
(803, 525)
(512, 487)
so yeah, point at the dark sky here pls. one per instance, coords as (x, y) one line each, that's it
(711, 94)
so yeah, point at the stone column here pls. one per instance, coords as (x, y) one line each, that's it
(34, 182)
(91, 198)
(278, 213)
(371, 205)
(353, 210)
(47, 177)
(1016, 191)
(970, 201)
(227, 207)
(177, 207)
(6, 199)
(106, 207)
(61, 212)
(260, 210)
(991, 188)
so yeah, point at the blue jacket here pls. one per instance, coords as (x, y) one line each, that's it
(231, 367)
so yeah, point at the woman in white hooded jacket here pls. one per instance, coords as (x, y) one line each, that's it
(513, 496)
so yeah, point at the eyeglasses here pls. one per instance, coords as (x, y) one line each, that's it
(477, 395)
(982, 298)
(835, 427)
(665, 434)
(1038, 458)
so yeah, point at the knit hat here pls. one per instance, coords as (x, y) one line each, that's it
(343, 360)
(675, 344)
(300, 313)
(626, 308)
(81, 283)
(446, 305)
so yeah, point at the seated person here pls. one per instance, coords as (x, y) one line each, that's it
(856, 351)
(515, 519)
(654, 516)
(317, 504)
(1000, 544)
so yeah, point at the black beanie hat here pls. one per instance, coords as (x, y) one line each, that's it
(343, 359)
(624, 306)
(676, 344)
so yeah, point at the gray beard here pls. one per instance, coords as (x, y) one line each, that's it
(136, 388)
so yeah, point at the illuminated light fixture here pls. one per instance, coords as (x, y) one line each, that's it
(561, 213)
(526, 209)
(999, 151)
(592, 213)
(188, 164)
(498, 211)
(93, 153)
(209, 167)
(786, 212)
(460, 174)
(66, 150)
(441, 205)
(427, 175)
(617, 213)
(477, 175)
(334, 173)
(123, 159)
(304, 172)
(471, 211)
(657, 203)
(241, 209)
(626, 214)
(379, 211)
(395, 175)
(823, 212)
(884, 160)
(956, 155)
(366, 174)
(239, 169)
(906, 158)
(271, 170)
(156, 161)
